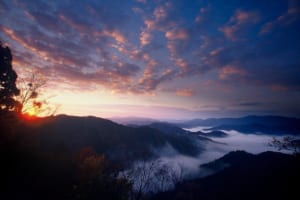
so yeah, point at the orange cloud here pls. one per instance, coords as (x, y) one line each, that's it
(180, 34)
(145, 38)
(162, 18)
(30, 46)
(238, 23)
(228, 71)
(182, 64)
(242, 16)
(230, 32)
(118, 36)
(185, 92)
(161, 12)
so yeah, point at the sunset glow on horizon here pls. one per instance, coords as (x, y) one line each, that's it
(159, 59)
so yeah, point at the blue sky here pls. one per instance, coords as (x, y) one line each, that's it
(160, 59)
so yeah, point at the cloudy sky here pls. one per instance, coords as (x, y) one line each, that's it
(158, 58)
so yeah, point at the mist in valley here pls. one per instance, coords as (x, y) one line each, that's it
(171, 167)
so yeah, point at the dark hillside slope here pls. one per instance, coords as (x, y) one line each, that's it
(116, 141)
(168, 128)
(268, 175)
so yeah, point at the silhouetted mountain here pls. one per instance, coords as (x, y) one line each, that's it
(251, 124)
(114, 140)
(168, 128)
(30, 172)
(133, 121)
(260, 129)
(232, 158)
(268, 120)
(268, 175)
(215, 133)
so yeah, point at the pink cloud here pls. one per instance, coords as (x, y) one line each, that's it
(242, 17)
(162, 19)
(203, 15)
(150, 24)
(145, 38)
(179, 34)
(291, 16)
(172, 48)
(183, 64)
(229, 32)
(161, 12)
(186, 92)
(117, 35)
(81, 27)
(239, 23)
(114, 74)
(216, 51)
(32, 46)
(228, 71)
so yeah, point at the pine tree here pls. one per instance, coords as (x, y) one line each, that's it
(8, 77)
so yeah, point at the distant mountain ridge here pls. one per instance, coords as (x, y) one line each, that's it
(275, 125)
(168, 128)
(272, 125)
(135, 121)
(213, 133)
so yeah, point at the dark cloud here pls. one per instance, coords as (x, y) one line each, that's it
(250, 104)
(3, 6)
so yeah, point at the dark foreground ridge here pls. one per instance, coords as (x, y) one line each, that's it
(241, 175)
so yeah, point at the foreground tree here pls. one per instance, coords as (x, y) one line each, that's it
(151, 176)
(31, 97)
(99, 178)
(8, 78)
(287, 143)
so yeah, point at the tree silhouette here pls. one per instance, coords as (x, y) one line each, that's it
(287, 143)
(30, 90)
(8, 77)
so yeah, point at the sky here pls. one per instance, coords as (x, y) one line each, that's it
(176, 59)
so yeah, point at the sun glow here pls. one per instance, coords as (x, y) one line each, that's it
(31, 112)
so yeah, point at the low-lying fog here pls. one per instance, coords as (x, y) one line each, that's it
(172, 166)
(252, 143)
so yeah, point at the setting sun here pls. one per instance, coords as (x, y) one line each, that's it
(31, 112)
